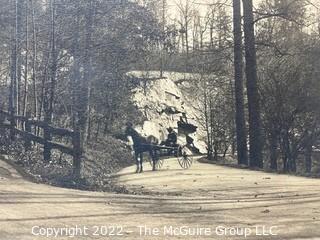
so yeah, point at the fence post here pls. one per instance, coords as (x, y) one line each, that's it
(12, 126)
(27, 143)
(46, 145)
(2, 129)
(77, 152)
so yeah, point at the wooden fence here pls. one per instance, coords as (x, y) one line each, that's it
(11, 122)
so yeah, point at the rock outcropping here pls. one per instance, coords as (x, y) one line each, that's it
(164, 104)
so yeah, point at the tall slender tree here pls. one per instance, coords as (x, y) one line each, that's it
(255, 138)
(34, 60)
(25, 90)
(88, 73)
(53, 66)
(162, 48)
(186, 13)
(238, 73)
(17, 55)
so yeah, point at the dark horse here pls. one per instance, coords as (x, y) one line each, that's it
(141, 145)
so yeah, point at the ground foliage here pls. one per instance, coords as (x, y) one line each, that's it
(101, 159)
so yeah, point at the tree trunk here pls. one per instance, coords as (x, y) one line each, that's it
(162, 40)
(25, 93)
(18, 54)
(13, 76)
(242, 150)
(215, 157)
(255, 138)
(273, 141)
(212, 28)
(211, 126)
(34, 62)
(88, 74)
(53, 66)
(308, 156)
(206, 115)
(12, 70)
(287, 160)
(187, 42)
(75, 78)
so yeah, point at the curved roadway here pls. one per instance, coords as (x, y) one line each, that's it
(212, 202)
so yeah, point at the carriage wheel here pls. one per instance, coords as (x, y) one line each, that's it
(184, 157)
(159, 161)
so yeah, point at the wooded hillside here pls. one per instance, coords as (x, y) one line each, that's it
(64, 62)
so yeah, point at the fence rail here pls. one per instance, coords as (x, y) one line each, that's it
(46, 140)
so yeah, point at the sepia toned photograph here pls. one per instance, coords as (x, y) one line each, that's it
(160, 119)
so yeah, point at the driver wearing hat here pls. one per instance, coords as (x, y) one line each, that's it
(171, 139)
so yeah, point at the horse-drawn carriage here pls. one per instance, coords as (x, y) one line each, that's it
(157, 152)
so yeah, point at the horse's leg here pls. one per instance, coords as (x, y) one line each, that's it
(136, 156)
(141, 161)
(153, 157)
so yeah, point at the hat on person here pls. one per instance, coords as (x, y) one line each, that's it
(170, 129)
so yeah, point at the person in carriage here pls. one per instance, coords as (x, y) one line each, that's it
(171, 141)
(172, 138)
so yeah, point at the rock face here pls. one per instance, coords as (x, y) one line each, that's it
(164, 104)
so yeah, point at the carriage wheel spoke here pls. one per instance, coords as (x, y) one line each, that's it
(184, 159)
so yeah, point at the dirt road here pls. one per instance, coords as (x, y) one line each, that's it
(205, 202)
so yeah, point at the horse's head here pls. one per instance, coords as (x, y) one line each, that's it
(129, 131)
